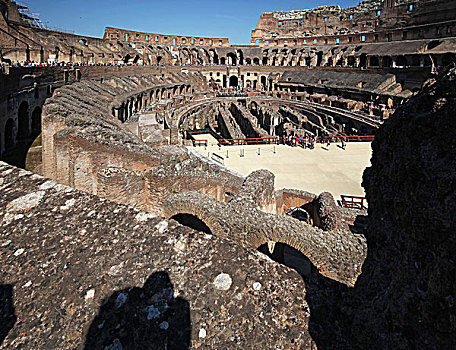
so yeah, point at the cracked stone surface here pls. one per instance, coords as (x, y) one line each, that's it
(87, 272)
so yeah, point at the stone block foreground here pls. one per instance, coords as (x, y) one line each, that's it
(83, 272)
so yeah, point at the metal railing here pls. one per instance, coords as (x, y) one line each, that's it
(199, 142)
(361, 138)
(354, 202)
(248, 141)
(273, 140)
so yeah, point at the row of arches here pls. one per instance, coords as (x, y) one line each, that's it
(27, 125)
(137, 103)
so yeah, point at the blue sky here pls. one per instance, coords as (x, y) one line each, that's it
(233, 19)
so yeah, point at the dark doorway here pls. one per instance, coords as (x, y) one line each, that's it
(374, 61)
(234, 81)
(401, 61)
(23, 121)
(363, 60)
(387, 61)
(36, 121)
(9, 134)
(263, 82)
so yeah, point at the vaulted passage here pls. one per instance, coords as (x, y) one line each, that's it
(291, 257)
(191, 221)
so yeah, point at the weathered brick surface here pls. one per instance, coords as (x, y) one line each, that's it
(336, 252)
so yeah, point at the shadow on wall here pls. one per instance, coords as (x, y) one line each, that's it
(7, 314)
(142, 318)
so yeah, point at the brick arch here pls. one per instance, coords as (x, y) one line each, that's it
(184, 207)
(278, 235)
(241, 222)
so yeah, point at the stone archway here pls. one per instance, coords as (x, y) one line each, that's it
(191, 221)
(401, 61)
(374, 61)
(234, 81)
(387, 62)
(231, 59)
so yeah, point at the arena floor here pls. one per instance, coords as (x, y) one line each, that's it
(335, 170)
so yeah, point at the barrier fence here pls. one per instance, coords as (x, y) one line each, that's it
(273, 140)
(199, 142)
(363, 138)
(354, 202)
(248, 141)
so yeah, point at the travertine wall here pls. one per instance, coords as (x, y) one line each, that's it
(370, 21)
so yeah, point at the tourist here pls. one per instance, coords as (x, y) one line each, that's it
(343, 144)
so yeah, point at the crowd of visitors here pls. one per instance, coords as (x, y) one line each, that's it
(8, 63)
(307, 142)
(231, 93)
(294, 141)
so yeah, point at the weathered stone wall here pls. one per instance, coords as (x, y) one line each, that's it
(409, 187)
(117, 34)
(404, 297)
(87, 147)
(370, 21)
(337, 253)
(82, 272)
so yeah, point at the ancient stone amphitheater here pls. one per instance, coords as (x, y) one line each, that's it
(116, 234)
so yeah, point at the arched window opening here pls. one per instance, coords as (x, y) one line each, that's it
(373, 61)
(363, 60)
(319, 58)
(231, 59)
